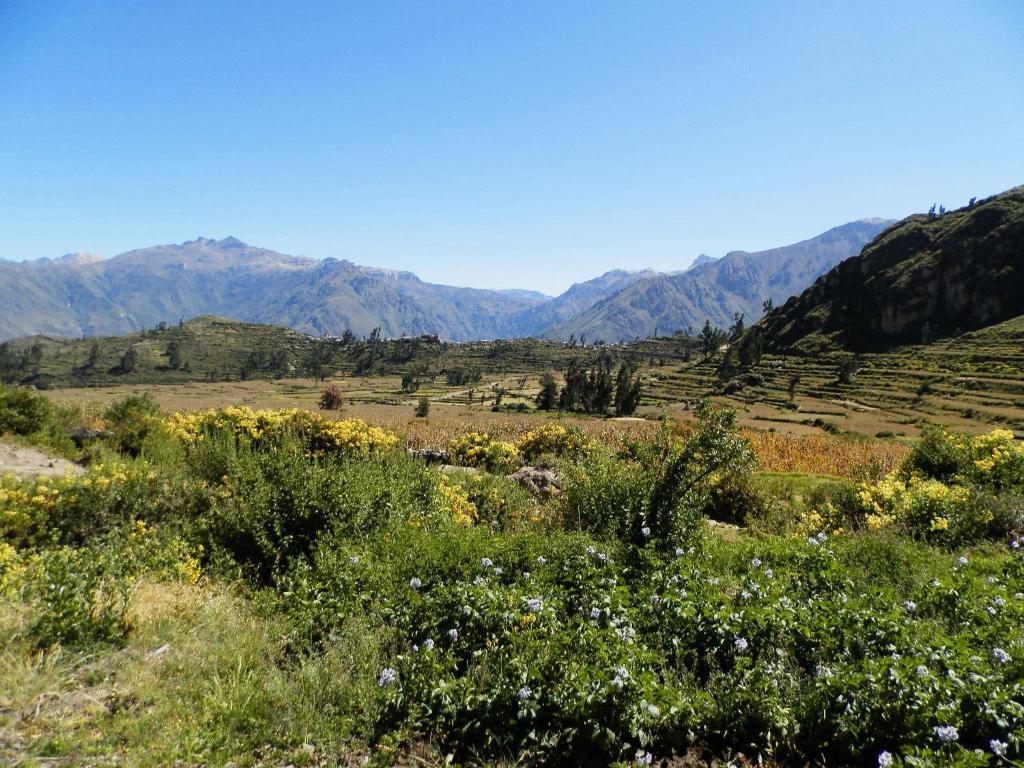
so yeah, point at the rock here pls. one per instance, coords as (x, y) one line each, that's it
(83, 435)
(732, 387)
(432, 456)
(455, 469)
(539, 482)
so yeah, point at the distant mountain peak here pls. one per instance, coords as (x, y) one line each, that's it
(702, 259)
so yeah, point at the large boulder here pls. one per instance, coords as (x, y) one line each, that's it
(538, 481)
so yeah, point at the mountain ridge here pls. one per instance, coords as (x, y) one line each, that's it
(86, 295)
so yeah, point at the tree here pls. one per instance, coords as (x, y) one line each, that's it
(174, 358)
(794, 381)
(848, 369)
(767, 306)
(627, 391)
(750, 347)
(547, 398)
(573, 391)
(708, 339)
(280, 363)
(319, 359)
(409, 383)
(422, 408)
(728, 368)
(129, 360)
(94, 356)
(737, 327)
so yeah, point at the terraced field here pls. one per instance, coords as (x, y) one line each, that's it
(970, 382)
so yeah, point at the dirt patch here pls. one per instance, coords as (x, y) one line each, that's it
(28, 462)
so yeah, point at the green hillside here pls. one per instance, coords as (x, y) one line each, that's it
(929, 277)
(217, 349)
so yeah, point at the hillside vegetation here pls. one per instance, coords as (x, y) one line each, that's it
(928, 277)
(270, 588)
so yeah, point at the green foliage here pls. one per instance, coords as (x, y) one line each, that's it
(661, 494)
(132, 420)
(23, 411)
(275, 505)
(78, 597)
(422, 407)
(375, 605)
(547, 398)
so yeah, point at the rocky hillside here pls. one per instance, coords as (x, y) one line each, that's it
(927, 277)
(717, 289)
(138, 289)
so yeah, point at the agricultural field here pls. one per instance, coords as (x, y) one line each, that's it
(253, 581)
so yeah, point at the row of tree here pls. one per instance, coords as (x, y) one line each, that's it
(593, 389)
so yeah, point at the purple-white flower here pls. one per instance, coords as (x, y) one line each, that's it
(524, 693)
(595, 612)
(910, 605)
(453, 634)
(541, 560)
(756, 562)
(922, 671)
(741, 644)
(428, 644)
(646, 532)
(962, 560)
(486, 562)
(998, 747)
(947, 733)
(1001, 656)
(534, 605)
(387, 677)
(884, 759)
(415, 583)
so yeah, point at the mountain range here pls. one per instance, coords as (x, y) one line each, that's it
(86, 295)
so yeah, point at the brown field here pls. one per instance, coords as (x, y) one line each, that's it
(781, 445)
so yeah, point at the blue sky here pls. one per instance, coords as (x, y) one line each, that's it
(521, 145)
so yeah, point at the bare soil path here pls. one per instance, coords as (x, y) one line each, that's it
(29, 462)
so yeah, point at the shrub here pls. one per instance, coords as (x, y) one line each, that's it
(605, 496)
(331, 399)
(477, 449)
(321, 435)
(131, 421)
(274, 506)
(553, 439)
(79, 596)
(23, 411)
(422, 407)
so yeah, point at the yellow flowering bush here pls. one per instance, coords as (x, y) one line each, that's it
(12, 570)
(553, 439)
(479, 449)
(455, 501)
(994, 460)
(322, 435)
